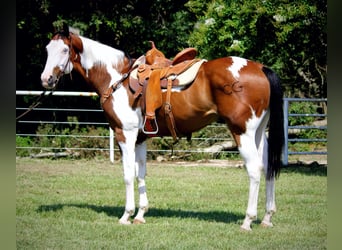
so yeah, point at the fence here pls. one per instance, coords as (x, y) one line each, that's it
(288, 127)
(199, 140)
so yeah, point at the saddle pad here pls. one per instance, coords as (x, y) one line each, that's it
(189, 75)
(140, 60)
(134, 74)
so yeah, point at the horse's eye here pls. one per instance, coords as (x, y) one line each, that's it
(65, 50)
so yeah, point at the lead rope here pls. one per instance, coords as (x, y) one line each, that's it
(35, 104)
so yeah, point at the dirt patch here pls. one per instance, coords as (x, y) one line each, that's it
(308, 159)
(212, 163)
(293, 160)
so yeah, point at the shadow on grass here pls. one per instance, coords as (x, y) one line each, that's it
(313, 168)
(217, 216)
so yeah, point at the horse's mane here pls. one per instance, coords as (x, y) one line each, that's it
(74, 31)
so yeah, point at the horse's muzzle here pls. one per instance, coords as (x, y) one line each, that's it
(50, 83)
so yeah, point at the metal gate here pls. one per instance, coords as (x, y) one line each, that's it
(288, 127)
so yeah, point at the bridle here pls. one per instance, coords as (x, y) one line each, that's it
(43, 95)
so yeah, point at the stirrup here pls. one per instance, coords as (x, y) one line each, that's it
(150, 132)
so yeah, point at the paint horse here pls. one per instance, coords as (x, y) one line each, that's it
(245, 94)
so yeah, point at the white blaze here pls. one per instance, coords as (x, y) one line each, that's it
(57, 56)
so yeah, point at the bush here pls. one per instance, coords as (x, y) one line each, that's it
(206, 137)
(301, 108)
(87, 140)
(21, 144)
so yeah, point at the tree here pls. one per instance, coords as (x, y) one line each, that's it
(288, 36)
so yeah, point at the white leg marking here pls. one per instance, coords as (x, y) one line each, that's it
(254, 166)
(128, 161)
(131, 120)
(238, 63)
(262, 144)
(140, 157)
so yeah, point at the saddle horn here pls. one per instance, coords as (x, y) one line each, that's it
(152, 44)
(154, 55)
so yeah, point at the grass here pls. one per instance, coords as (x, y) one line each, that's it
(65, 204)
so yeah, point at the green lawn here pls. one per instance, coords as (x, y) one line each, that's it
(76, 204)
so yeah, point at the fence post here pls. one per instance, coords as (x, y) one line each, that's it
(286, 131)
(111, 144)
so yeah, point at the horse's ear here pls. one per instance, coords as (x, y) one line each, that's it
(65, 30)
(62, 28)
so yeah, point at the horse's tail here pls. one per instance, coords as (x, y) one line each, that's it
(276, 125)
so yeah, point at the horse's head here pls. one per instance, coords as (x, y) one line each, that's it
(58, 58)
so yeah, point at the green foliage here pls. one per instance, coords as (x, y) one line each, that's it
(302, 108)
(204, 138)
(24, 142)
(290, 37)
(87, 141)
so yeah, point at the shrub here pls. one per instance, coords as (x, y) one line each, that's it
(301, 108)
(61, 138)
(21, 144)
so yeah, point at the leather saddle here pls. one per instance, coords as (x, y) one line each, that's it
(182, 69)
(154, 72)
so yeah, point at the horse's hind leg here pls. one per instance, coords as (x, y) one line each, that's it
(262, 144)
(140, 161)
(248, 149)
(270, 203)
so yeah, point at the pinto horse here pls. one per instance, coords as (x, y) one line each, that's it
(245, 94)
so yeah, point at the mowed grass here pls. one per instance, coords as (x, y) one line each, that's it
(76, 204)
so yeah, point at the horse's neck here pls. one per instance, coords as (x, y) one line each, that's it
(99, 64)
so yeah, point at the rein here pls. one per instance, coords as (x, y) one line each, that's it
(35, 104)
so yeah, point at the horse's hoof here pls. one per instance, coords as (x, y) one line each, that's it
(244, 228)
(266, 224)
(139, 221)
(125, 222)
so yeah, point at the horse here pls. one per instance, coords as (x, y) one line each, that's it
(245, 94)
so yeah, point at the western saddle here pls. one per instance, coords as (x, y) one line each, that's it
(154, 73)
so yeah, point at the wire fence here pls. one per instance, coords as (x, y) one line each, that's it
(54, 135)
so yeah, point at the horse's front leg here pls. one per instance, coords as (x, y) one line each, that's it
(128, 160)
(140, 158)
